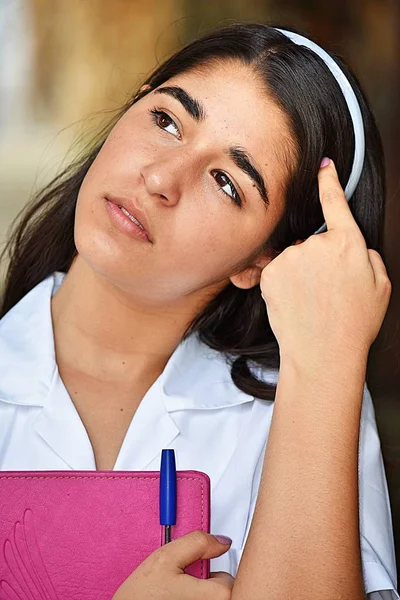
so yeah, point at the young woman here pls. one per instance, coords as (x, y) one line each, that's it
(167, 291)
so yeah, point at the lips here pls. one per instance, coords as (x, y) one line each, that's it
(129, 205)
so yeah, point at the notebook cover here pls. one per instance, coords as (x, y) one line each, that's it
(80, 534)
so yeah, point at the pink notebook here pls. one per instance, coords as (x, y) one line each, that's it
(80, 534)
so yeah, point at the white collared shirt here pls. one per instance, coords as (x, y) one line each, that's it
(193, 407)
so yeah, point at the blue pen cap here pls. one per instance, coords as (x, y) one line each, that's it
(168, 488)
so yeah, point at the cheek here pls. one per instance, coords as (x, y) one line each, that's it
(218, 240)
(119, 159)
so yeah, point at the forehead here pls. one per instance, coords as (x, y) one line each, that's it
(241, 112)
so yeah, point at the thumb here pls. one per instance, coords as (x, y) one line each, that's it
(225, 578)
(184, 551)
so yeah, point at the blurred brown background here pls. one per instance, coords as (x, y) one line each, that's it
(63, 60)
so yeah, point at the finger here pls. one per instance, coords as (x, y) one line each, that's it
(335, 207)
(196, 545)
(378, 267)
(224, 578)
(198, 589)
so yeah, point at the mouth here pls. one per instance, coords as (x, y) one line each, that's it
(131, 217)
(132, 212)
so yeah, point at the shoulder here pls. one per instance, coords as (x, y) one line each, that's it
(199, 377)
(27, 345)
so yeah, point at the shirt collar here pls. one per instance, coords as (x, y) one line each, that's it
(195, 376)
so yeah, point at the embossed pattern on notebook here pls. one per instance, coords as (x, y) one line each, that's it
(28, 575)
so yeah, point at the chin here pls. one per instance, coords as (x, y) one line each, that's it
(95, 239)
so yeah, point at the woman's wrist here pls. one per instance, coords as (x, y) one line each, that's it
(324, 367)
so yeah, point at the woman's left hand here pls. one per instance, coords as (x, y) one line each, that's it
(328, 295)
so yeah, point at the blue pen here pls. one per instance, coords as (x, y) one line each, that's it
(167, 492)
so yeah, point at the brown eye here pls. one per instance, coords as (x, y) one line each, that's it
(164, 122)
(226, 186)
(220, 178)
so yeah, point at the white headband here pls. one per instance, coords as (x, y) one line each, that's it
(353, 106)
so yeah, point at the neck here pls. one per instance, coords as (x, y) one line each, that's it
(107, 334)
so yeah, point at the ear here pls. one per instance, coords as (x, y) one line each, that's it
(251, 276)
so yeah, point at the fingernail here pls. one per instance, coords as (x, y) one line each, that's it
(223, 539)
(325, 162)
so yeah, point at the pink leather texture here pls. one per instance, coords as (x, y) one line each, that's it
(77, 535)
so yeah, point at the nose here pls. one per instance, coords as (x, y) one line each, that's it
(164, 177)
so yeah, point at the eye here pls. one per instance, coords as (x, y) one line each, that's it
(164, 122)
(227, 187)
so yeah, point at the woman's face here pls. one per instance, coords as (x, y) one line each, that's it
(187, 157)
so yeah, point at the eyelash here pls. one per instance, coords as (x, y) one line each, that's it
(155, 114)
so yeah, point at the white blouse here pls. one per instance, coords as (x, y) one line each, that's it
(193, 407)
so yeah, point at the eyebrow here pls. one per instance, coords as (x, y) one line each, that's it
(195, 108)
(243, 161)
(239, 156)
